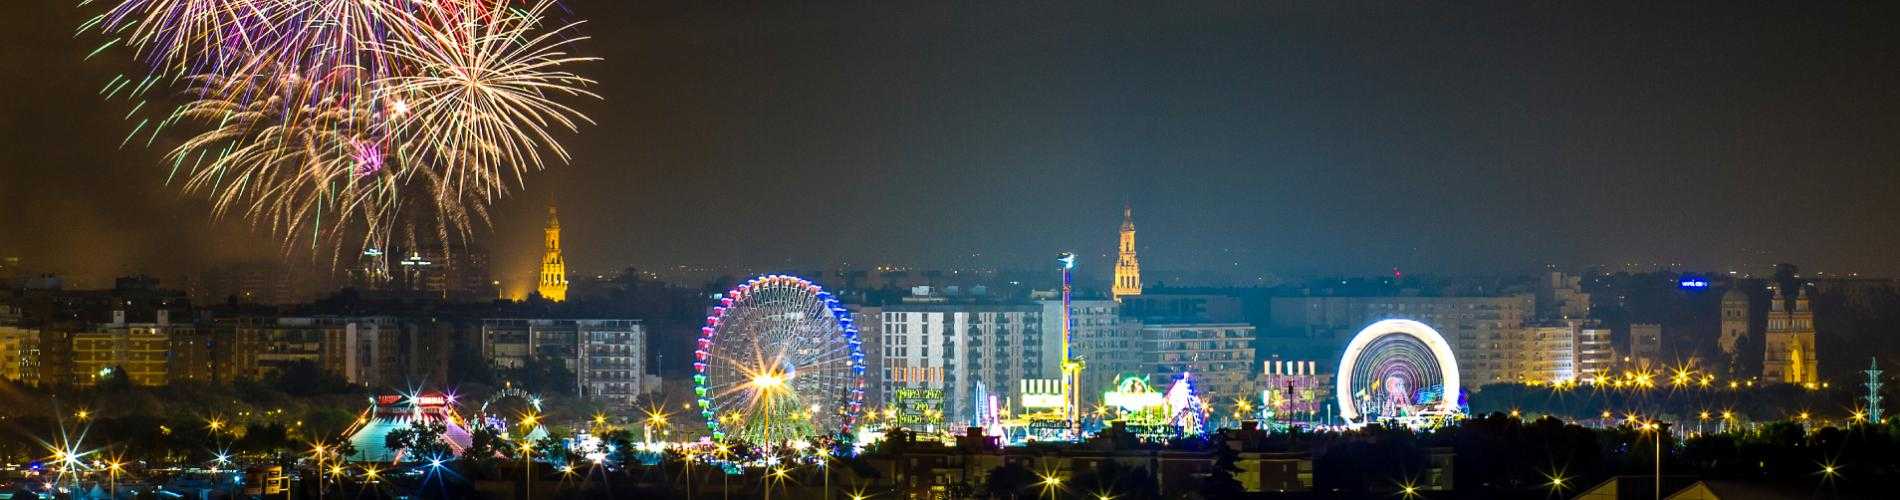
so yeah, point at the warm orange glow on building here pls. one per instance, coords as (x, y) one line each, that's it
(553, 267)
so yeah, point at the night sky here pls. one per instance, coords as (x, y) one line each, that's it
(1254, 136)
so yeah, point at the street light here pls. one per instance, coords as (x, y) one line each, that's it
(527, 465)
(1050, 484)
(824, 465)
(114, 468)
(319, 451)
(1656, 427)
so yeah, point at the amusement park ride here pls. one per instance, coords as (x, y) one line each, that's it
(1062, 421)
(779, 368)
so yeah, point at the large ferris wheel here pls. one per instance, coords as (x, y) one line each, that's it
(779, 359)
(1397, 369)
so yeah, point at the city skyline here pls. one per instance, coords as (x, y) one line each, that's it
(951, 250)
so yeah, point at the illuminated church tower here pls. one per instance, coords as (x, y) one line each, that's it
(1127, 268)
(553, 267)
(1789, 356)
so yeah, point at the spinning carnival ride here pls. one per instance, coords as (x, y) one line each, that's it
(778, 360)
(512, 409)
(1398, 370)
(1154, 415)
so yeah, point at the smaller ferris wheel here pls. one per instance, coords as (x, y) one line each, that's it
(513, 413)
(1397, 369)
(779, 359)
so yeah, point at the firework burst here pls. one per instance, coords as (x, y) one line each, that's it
(367, 120)
(481, 101)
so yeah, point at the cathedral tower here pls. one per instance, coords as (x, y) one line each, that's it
(553, 268)
(1127, 267)
(1789, 351)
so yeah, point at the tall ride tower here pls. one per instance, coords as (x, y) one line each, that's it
(1071, 367)
(1127, 267)
(553, 268)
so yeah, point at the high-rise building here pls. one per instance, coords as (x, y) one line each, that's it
(1646, 345)
(1594, 355)
(607, 356)
(19, 353)
(1127, 267)
(375, 351)
(1218, 355)
(1735, 321)
(553, 284)
(1542, 353)
(1560, 296)
(1789, 342)
(137, 352)
(937, 345)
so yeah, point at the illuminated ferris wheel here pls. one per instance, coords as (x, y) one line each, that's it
(1397, 369)
(779, 359)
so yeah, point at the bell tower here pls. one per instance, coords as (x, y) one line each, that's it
(553, 268)
(1127, 266)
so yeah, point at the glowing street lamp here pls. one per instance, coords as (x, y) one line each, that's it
(1051, 483)
(318, 450)
(1656, 427)
(112, 472)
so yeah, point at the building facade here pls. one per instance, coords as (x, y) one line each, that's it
(1220, 357)
(1108, 344)
(1487, 334)
(1789, 355)
(138, 352)
(954, 347)
(1595, 356)
(607, 356)
(1646, 345)
(19, 354)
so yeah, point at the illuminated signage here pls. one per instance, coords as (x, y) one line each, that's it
(1041, 393)
(1692, 282)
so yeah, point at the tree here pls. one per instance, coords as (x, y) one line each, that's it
(307, 378)
(270, 438)
(1111, 478)
(1008, 480)
(114, 380)
(486, 444)
(418, 441)
(1220, 482)
(621, 442)
(547, 375)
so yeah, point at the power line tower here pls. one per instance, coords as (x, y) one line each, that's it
(1873, 390)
